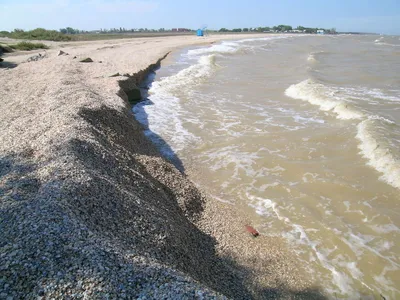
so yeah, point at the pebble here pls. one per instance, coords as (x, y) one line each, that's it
(96, 204)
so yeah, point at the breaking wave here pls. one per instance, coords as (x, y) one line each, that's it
(184, 80)
(318, 94)
(161, 114)
(372, 131)
(377, 150)
(231, 47)
(224, 48)
(312, 56)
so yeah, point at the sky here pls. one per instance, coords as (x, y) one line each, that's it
(345, 15)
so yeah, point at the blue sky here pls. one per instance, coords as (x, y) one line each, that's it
(351, 15)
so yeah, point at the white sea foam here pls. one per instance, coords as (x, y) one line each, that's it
(374, 117)
(379, 94)
(224, 48)
(231, 158)
(354, 271)
(386, 44)
(386, 228)
(186, 78)
(311, 58)
(267, 186)
(266, 207)
(303, 120)
(360, 243)
(269, 208)
(310, 177)
(343, 271)
(263, 207)
(317, 94)
(378, 154)
(230, 47)
(371, 95)
(162, 122)
(264, 39)
(386, 283)
(161, 115)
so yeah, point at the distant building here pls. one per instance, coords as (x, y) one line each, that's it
(180, 30)
(320, 31)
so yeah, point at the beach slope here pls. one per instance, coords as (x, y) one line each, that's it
(90, 209)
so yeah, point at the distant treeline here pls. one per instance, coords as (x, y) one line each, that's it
(280, 28)
(70, 30)
(68, 33)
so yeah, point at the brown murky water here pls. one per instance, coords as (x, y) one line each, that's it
(303, 131)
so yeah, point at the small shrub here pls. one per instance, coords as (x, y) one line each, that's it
(4, 34)
(29, 46)
(39, 34)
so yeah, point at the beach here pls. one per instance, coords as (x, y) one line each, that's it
(300, 132)
(90, 207)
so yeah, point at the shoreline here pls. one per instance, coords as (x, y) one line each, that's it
(89, 206)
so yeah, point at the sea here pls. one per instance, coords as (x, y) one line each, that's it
(303, 133)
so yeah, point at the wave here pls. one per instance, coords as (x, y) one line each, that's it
(161, 119)
(231, 47)
(372, 131)
(264, 39)
(161, 114)
(360, 94)
(386, 44)
(312, 56)
(381, 41)
(377, 151)
(224, 48)
(184, 80)
(318, 94)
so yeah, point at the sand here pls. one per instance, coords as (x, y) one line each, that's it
(90, 209)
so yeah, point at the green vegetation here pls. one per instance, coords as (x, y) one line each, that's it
(282, 28)
(36, 34)
(70, 30)
(71, 34)
(262, 29)
(28, 46)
